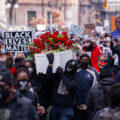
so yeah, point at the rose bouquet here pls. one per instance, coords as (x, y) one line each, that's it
(52, 43)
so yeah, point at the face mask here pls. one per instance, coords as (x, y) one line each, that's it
(22, 84)
(71, 67)
(101, 64)
(84, 65)
(4, 93)
(3, 51)
(30, 70)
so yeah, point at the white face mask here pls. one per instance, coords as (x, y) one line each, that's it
(30, 70)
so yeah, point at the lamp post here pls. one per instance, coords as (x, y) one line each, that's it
(11, 5)
(15, 6)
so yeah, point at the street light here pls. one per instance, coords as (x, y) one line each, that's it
(15, 6)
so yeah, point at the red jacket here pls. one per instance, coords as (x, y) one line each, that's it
(94, 56)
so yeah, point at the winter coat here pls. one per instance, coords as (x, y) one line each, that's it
(116, 50)
(97, 97)
(94, 56)
(108, 114)
(62, 88)
(86, 78)
(18, 108)
(32, 96)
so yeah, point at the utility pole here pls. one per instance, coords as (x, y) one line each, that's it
(43, 8)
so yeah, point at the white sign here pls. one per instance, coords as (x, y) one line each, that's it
(17, 41)
(99, 29)
(60, 59)
(77, 30)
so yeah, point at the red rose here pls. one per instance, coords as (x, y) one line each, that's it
(37, 50)
(12, 70)
(43, 37)
(67, 47)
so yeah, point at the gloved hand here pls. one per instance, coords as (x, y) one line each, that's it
(50, 57)
(77, 54)
(59, 71)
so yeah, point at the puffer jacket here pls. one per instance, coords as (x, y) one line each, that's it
(18, 108)
(97, 97)
(86, 78)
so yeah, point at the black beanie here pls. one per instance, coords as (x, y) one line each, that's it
(106, 73)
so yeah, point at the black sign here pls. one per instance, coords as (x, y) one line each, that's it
(17, 41)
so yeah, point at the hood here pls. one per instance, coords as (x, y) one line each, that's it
(107, 82)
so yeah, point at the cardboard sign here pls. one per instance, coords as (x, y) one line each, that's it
(77, 30)
(88, 28)
(17, 41)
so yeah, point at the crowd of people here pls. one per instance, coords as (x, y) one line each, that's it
(87, 89)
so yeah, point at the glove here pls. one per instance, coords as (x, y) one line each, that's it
(50, 58)
(59, 71)
(77, 54)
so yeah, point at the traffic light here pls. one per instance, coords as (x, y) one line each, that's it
(105, 4)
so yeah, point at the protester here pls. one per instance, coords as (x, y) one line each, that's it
(4, 56)
(12, 105)
(87, 76)
(19, 58)
(116, 52)
(63, 85)
(97, 98)
(112, 112)
(22, 82)
(93, 51)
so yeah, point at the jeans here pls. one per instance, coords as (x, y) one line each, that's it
(62, 113)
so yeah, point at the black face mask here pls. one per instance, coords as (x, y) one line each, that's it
(4, 93)
(71, 68)
(23, 85)
(89, 48)
(84, 64)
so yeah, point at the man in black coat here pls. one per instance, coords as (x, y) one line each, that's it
(12, 105)
(97, 97)
(63, 86)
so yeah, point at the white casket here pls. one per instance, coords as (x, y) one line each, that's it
(60, 59)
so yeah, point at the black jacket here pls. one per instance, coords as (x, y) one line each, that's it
(18, 108)
(97, 97)
(32, 96)
(116, 50)
(62, 89)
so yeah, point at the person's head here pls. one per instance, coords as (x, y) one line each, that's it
(2, 49)
(114, 95)
(115, 42)
(22, 79)
(6, 86)
(106, 73)
(102, 61)
(31, 67)
(84, 61)
(102, 39)
(20, 55)
(117, 23)
(88, 45)
(71, 67)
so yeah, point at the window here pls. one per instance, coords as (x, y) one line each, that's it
(49, 17)
(31, 14)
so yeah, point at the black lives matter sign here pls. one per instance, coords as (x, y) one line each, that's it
(17, 41)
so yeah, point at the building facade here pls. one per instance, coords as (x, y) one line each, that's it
(78, 12)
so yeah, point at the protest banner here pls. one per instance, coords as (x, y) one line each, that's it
(17, 41)
(77, 30)
(60, 59)
(88, 28)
